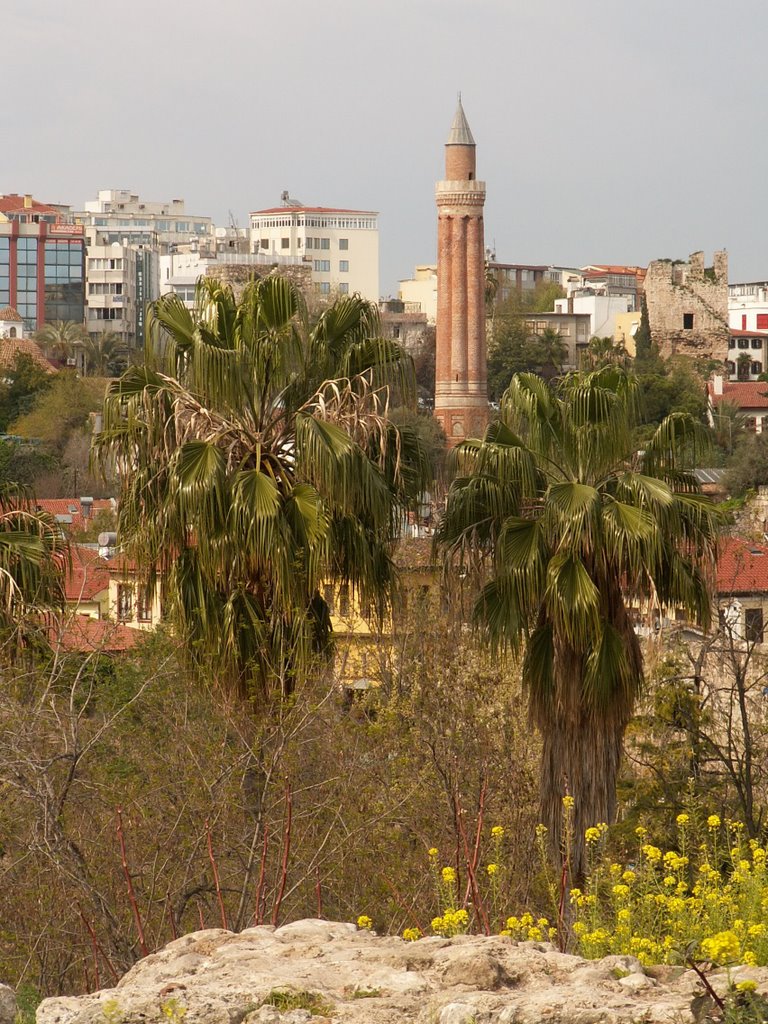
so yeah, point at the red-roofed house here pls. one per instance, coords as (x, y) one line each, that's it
(751, 397)
(742, 588)
(75, 515)
(341, 246)
(86, 635)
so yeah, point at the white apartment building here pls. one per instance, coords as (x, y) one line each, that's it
(748, 306)
(121, 215)
(120, 279)
(340, 246)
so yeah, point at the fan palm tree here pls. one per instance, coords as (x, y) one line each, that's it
(61, 339)
(33, 559)
(577, 530)
(100, 350)
(256, 460)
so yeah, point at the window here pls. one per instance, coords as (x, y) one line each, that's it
(344, 266)
(285, 243)
(732, 342)
(325, 243)
(731, 367)
(756, 342)
(325, 288)
(124, 602)
(756, 368)
(743, 342)
(753, 625)
(343, 243)
(687, 321)
(144, 604)
(263, 243)
(308, 242)
(344, 288)
(322, 266)
(762, 321)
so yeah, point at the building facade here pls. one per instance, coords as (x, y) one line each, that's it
(121, 278)
(42, 262)
(123, 216)
(340, 246)
(419, 293)
(461, 376)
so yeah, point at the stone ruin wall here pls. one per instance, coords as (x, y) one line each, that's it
(674, 289)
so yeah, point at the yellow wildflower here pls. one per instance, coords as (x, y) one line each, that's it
(568, 802)
(433, 851)
(411, 934)
(746, 986)
(364, 922)
(492, 869)
(497, 831)
(713, 821)
(449, 875)
(722, 948)
(683, 819)
(592, 835)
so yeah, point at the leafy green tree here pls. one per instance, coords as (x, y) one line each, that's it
(512, 348)
(20, 388)
(63, 409)
(23, 463)
(257, 460)
(747, 468)
(576, 527)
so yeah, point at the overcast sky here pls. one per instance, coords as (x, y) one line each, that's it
(606, 130)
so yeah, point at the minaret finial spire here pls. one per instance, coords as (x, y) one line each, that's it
(460, 134)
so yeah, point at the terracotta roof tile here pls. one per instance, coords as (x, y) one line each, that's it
(88, 576)
(8, 313)
(747, 394)
(742, 567)
(83, 634)
(309, 209)
(71, 507)
(12, 347)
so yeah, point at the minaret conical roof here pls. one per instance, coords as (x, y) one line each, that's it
(460, 135)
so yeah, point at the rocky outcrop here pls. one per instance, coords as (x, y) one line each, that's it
(7, 1005)
(323, 971)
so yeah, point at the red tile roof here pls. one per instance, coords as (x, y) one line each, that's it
(71, 507)
(747, 334)
(8, 313)
(88, 576)
(742, 567)
(86, 635)
(747, 394)
(12, 347)
(13, 203)
(309, 209)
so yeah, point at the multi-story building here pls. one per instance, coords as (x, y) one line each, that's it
(340, 246)
(748, 306)
(121, 278)
(123, 216)
(42, 262)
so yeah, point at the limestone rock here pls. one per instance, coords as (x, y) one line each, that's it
(348, 976)
(7, 1005)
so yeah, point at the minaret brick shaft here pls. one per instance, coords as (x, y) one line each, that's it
(461, 376)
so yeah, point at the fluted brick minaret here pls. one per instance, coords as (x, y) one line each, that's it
(461, 376)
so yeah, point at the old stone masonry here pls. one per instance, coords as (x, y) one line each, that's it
(327, 972)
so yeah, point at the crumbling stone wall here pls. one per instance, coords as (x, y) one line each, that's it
(688, 306)
(239, 274)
